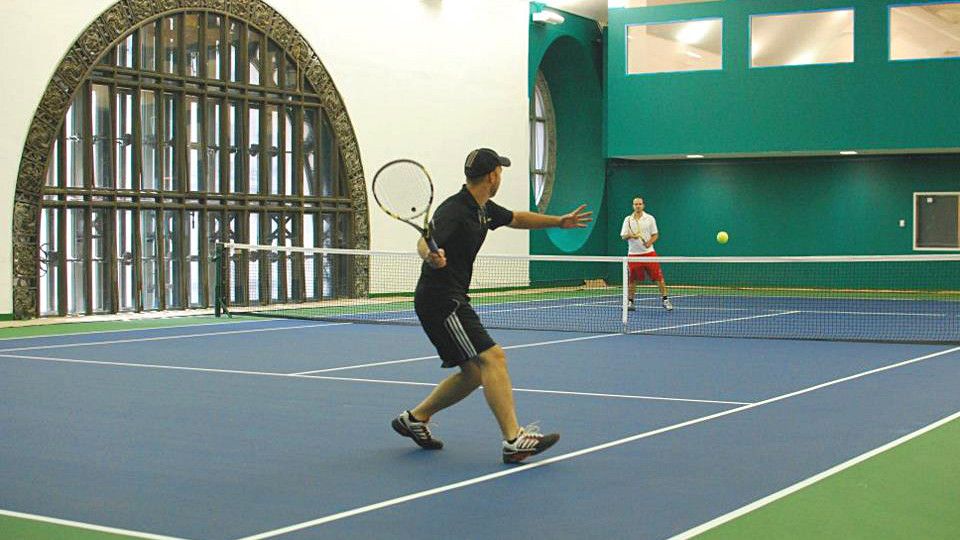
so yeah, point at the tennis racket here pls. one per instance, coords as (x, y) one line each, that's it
(634, 227)
(404, 190)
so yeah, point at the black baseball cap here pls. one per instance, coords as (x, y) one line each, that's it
(482, 161)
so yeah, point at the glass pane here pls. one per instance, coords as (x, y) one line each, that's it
(172, 251)
(148, 130)
(102, 137)
(236, 156)
(255, 55)
(195, 173)
(540, 148)
(538, 102)
(76, 274)
(168, 43)
(236, 68)
(191, 38)
(273, 149)
(49, 262)
(309, 152)
(290, 77)
(311, 262)
(214, 46)
(274, 54)
(125, 275)
(171, 180)
(289, 181)
(148, 47)
(326, 275)
(327, 156)
(195, 266)
(100, 264)
(681, 46)
(256, 262)
(213, 145)
(148, 260)
(821, 37)
(253, 164)
(925, 31)
(123, 138)
(74, 129)
(214, 226)
(53, 167)
(124, 52)
(343, 231)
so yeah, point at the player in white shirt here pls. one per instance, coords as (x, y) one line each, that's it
(640, 231)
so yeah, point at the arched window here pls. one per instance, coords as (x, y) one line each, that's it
(196, 128)
(543, 143)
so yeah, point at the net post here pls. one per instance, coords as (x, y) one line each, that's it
(624, 283)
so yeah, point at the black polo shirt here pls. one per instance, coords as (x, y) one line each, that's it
(459, 226)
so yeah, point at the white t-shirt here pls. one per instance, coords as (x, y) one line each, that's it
(646, 226)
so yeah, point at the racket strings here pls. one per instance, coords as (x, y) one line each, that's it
(404, 190)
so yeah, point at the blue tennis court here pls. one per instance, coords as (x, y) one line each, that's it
(280, 428)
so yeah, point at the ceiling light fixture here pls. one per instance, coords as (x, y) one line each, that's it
(694, 156)
(849, 153)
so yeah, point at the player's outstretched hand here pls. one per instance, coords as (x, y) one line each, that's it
(437, 259)
(577, 219)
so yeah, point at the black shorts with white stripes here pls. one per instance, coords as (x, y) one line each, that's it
(453, 328)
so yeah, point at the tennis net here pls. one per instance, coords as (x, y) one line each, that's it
(909, 298)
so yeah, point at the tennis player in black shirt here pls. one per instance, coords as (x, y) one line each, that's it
(459, 227)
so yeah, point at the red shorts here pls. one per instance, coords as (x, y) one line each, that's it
(638, 269)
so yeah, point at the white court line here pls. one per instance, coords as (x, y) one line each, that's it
(118, 321)
(700, 529)
(571, 455)
(345, 379)
(163, 338)
(540, 343)
(87, 526)
(721, 321)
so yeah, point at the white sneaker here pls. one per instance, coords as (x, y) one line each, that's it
(529, 442)
(418, 431)
(667, 304)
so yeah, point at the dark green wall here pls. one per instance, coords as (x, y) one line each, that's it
(869, 104)
(785, 207)
(570, 56)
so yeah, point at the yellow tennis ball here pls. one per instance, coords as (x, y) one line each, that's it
(722, 237)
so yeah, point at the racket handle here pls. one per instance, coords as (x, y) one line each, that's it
(431, 244)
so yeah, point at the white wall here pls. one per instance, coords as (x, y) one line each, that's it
(421, 79)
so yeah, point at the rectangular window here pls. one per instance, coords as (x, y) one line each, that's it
(214, 46)
(171, 176)
(651, 3)
(255, 55)
(49, 262)
(102, 137)
(925, 31)
(678, 46)
(169, 42)
(123, 138)
(794, 39)
(149, 269)
(125, 239)
(253, 164)
(74, 131)
(148, 47)
(936, 221)
(213, 145)
(101, 230)
(149, 140)
(191, 39)
(172, 257)
(195, 172)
